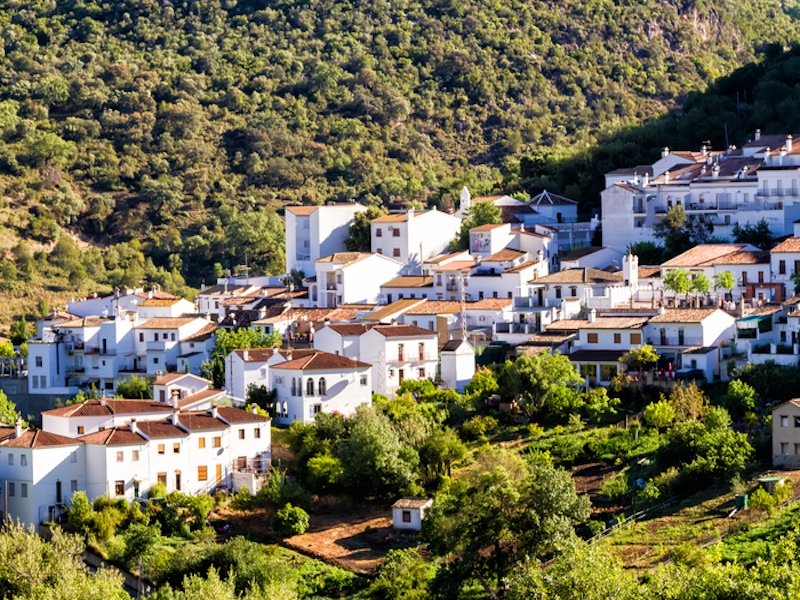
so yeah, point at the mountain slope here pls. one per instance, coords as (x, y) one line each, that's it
(181, 124)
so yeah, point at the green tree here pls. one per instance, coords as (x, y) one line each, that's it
(678, 281)
(359, 238)
(262, 397)
(501, 511)
(659, 415)
(375, 462)
(480, 213)
(439, 452)
(700, 284)
(724, 281)
(758, 235)
(641, 358)
(740, 399)
(134, 387)
(544, 384)
(20, 331)
(9, 414)
(403, 575)
(7, 350)
(290, 520)
(324, 472)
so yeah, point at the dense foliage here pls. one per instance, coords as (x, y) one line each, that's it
(181, 125)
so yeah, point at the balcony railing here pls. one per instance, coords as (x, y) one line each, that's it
(674, 340)
(411, 359)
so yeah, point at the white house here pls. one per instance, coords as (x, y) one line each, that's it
(408, 513)
(397, 353)
(157, 343)
(316, 231)
(413, 236)
(407, 286)
(351, 278)
(319, 382)
(153, 307)
(677, 334)
(247, 367)
(458, 364)
(784, 263)
(343, 339)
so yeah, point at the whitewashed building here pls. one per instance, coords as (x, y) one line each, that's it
(397, 353)
(413, 236)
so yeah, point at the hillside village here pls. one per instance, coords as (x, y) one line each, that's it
(346, 328)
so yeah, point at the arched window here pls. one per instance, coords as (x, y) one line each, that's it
(294, 386)
(310, 387)
(322, 386)
(285, 409)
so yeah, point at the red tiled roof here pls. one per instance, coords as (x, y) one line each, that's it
(159, 302)
(504, 255)
(166, 322)
(302, 211)
(351, 328)
(203, 333)
(116, 436)
(487, 227)
(321, 361)
(200, 421)
(38, 439)
(403, 331)
(102, 408)
(198, 397)
(160, 429)
(237, 415)
(408, 281)
(684, 315)
(791, 244)
(256, 354)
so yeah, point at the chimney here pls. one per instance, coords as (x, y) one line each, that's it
(646, 179)
(226, 285)
(254, 409)
(666, 176)
(715, 171)
(134, 427)
(18, 428)
(174, 418)
(246, 354)
(757, 135)
(150, 295)
(703, 150)
(175, 396)
(662, 310)
(410, 214)
(215, 411)
(103, 401)
(788, 144)
(592, 315)
(665, 152)
(709, 160)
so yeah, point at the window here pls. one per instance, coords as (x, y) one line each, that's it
(744, 278)
(558, 292)
(11, 488)
(797, 421)
(120, 456)
(73, 486)
(363, 380)
(73, 458)
(81, 429)
(39, 361)
(135, 456)
(400, 352)
(396, 252)
(141, 336)
(162, 478)
(322, 386)
(380, 250)
(421, 350)
(422, 373)
(217, 442)
(23, 487)
(636, 338)
(591, 338)
(796, 451)
(761, 277)
(155, 336)
(202, 473)
(119, 487)
(176, 448)
(617, 338)
(378, 232)
(294, 386)
(155, 360)
(310, 387)
(161, 449)
(257, 433)
(784, 449)
(316, 409)
(172, 336)
(573, 291)
(241, 434)
(784, 421)
(781, 268)
(201, 442)
(406, 516)
(11, 459)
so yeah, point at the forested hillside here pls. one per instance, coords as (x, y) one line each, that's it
(182, 126)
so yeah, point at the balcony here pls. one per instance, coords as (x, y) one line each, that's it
(521, 328)
(406, 359)
(159, 346)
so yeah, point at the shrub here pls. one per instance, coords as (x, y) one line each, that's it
(477, 427)
(761, 499)
(616, 487)
(290, 520)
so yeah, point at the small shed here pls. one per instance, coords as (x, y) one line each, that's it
(408, 513)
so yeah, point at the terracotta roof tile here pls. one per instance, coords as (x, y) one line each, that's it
(237, 415)
(166, 322)
(403, 331)
(684, 315)
(409, 281)
(321, 361)
(522, 266)
(256, 354)
(436, 307)
(160, 429)
(703, 254)
(504, 255)
(116, 436)
(487, 227)
(584, 275)
(162, 302)
(200, 421)
(489, 304)
(38, 439)
(101, 408)
(397, 307)
(302, 211)
(202, 334)
(347, 329)
(791, 244)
